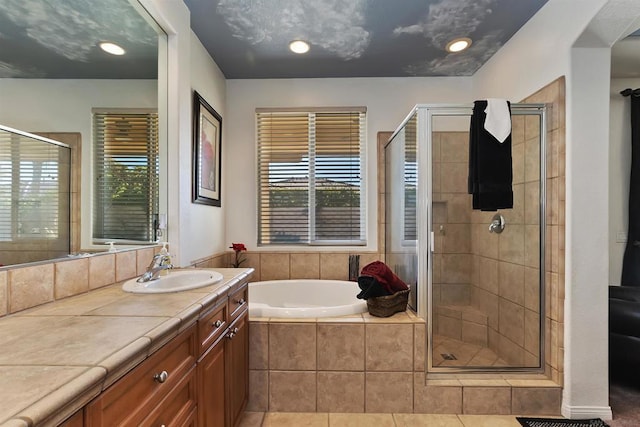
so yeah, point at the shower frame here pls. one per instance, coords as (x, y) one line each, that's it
(425, 244)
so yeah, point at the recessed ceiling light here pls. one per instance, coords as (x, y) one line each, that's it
(112, 48)
(299, 46)
(458, 45)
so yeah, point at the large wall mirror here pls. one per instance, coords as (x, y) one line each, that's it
(57, 81)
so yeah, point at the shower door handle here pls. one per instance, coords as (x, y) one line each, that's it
(497, 224)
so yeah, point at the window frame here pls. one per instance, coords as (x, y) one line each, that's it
(312, 179)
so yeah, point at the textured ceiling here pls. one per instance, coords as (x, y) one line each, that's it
(249, 38)
(354, 38)
(59, 39)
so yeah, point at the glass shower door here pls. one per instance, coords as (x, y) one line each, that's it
(485, 280)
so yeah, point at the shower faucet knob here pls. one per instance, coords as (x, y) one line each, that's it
(497, 224)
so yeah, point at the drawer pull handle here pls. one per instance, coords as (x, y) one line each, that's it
(218, 323)
(232, 333)
(161, 377)
(241, 301)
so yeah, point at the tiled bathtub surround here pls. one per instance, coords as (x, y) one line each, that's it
(362, 364)
(293, 265)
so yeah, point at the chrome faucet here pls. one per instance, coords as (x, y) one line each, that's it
(158, 263)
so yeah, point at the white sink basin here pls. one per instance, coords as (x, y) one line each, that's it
(174, 281)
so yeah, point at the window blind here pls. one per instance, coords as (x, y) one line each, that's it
(311, 177)
(410, 229)
(34, 196)
(126, 176)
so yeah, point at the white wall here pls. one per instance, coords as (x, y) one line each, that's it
(194, 231)
(44, 105)
(388, 101)
(619, 172)
(205, 224)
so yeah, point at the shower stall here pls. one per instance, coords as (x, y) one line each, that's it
(477, 277)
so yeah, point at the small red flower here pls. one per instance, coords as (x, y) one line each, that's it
(238, 248)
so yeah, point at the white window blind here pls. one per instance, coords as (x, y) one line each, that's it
(34, 195)
(126, 168)
(410, 229)
(311, 177)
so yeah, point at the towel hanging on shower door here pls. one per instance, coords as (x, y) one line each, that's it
(490, 162)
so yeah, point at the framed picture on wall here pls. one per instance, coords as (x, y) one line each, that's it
(207, 142)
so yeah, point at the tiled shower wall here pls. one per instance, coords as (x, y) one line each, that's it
(488, 271)
(554, 96)
(506, 266)
(505, 275)
(502, 279)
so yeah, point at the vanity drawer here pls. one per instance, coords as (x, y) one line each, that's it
(177, 407)
(132, 398)
(211, 325)
(238, 302)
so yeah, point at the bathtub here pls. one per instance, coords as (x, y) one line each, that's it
(304, 298)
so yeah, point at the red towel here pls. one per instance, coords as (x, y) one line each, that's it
(384, 276)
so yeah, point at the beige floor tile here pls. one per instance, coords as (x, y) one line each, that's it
(427, 420)
(489, 421)
(251, 419)
(361, 420)
(287, 419)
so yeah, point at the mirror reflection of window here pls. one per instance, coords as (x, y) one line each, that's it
(34, 198)
(126, 176)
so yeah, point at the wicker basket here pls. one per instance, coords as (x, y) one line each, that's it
(388, 305)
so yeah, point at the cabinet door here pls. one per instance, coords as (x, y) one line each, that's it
(130, 399)
(176, 408)
(237, 367)
(75, 420)
(211, 386)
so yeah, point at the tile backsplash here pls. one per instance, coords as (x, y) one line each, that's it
(27, 286)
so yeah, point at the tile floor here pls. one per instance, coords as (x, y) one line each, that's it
(465, 354)
(284, 419)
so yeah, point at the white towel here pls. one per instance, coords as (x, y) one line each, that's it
(498, 121)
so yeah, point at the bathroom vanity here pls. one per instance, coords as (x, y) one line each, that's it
(180, 359)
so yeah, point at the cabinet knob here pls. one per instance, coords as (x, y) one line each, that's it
(241, 301)
(161, 377)
(218, 323)
(232, 333)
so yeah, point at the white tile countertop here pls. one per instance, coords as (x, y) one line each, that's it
(59, 356)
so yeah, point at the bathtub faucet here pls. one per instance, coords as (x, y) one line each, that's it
(159, 263)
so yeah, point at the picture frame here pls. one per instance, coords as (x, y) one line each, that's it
(207, 150)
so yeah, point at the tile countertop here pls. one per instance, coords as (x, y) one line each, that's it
(59, 356)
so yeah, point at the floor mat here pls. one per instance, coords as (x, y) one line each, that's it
(560, 422)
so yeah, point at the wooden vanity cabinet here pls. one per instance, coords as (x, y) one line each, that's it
(199, 379)
(238, 367)
(212, 399)
(223, 369)
(164, 380)
(76, 420)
